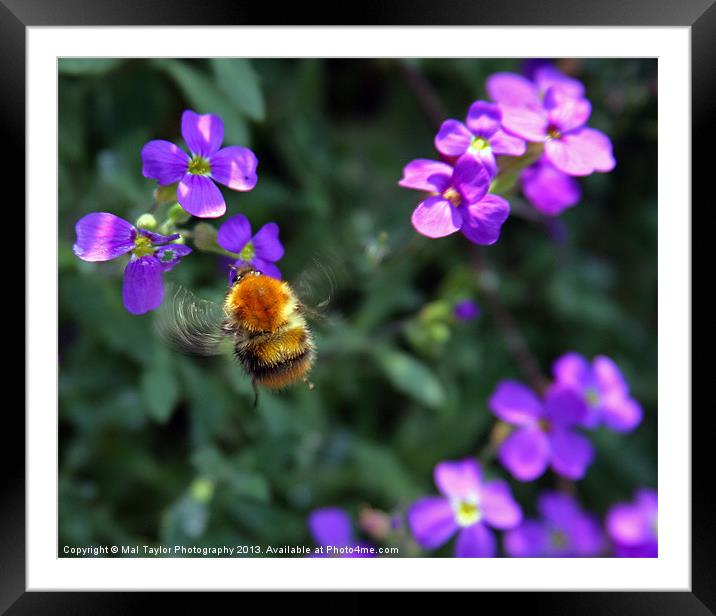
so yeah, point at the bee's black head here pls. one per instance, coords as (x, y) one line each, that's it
(238, 273)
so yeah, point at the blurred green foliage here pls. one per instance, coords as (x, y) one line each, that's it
(160, 448)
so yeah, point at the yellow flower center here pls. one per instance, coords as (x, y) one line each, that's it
(142, 246)
(478, 143)
(544, 425)
(558, 539)
(199, 166)
(452, 196)
(553, 133)
(248, 252)
(592, 397)
(467, 513)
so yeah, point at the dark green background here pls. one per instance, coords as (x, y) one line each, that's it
(399, 385)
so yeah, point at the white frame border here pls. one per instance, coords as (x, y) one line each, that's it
(671, 571)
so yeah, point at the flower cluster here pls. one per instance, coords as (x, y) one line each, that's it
(155, 248)
(534, 432)
(551, 110)
(536, 128)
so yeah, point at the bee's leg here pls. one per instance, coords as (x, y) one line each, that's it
(308, 383)
(256, 392)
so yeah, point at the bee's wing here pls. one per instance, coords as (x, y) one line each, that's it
(190, 324)
(317, 284)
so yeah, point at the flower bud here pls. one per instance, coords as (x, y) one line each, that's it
(146, 221)
(205, 237)
(177, 214)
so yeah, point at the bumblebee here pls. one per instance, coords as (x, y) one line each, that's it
(262, 319)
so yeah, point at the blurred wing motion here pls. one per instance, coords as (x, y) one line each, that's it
(317, 284)
(192, 325)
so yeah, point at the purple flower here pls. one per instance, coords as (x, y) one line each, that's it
(260, 251)
(552, 110)
(544, 433)
(603, 389)
(466, 310)
(457, 201)
(563, 530)
(232, 166)
(467, 505)
(331, 529)
(481, 136)
(633, 527)
(102, 236)
(515, 90)
(548, 189)
(570, 146)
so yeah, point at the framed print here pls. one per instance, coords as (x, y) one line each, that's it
(389, 306)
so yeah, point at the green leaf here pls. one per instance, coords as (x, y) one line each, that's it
(241, 482)
(411, 377)
(159, 387)
(205, 97)
(379, 471)
(237, 79)
(87, 66)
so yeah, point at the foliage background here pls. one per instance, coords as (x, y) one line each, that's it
(159, 448)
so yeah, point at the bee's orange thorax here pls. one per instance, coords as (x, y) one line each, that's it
(260, 303)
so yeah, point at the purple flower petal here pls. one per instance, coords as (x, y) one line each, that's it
(515, 403)
(235, 167)
(432, 521)
(621, 413)
(266, 268)
(266, 242)
(530, 124)
(436, 217)
(458, 479)
(512, 89)
(525, 453)
(572, 453)
(476, 541)
(486, 158)
(171, 254)
(158, 238)
(234, 233)
(483, 119)
(143, 287)
(330, 526)
(627, 525)
(453, 138)
(573, 369)
(199, 196)
(566, 112)
(529, 540)
(548, 189)
(466, 310)
(586, 536)
(609, 376)
(102, 236)
(557, 507)
(483, 220)
(581, 152)
(648, 501)
(564, 405)
(202, 133)
(498, 507)
(164, 162)
(427, 175)
(471, 179)
(503, 144)
(547, 77)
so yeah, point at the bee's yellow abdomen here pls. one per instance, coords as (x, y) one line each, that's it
(260, 303)
(281, 346)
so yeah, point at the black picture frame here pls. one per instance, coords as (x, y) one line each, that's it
(699, 15)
